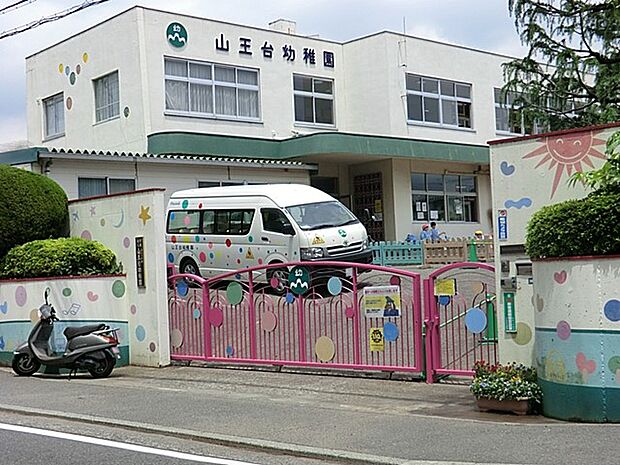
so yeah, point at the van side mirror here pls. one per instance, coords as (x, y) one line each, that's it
(288, 229)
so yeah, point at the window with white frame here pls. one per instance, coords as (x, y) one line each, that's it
(54, 115)
(444, 197)
(107, 97)
(91, 187)
(211, 90)
(225, 183)
(438, 102)
(511, 120)
(314, 100)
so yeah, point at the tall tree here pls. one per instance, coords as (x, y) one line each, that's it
(570, 76)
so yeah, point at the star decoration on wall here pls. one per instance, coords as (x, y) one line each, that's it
(93, 211)
(144, 214)
(75, 215)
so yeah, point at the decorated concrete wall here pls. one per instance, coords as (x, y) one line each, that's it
(132, 225)
(78, 301)
(528, 173)
(578, 337)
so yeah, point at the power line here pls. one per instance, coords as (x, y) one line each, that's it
(49, 19)
(14, 5)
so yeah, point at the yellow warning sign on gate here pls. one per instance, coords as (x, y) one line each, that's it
(376, 340)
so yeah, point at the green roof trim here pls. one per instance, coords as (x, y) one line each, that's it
(17, 157)
(314, 144)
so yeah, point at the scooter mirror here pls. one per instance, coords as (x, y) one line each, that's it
(47, 293)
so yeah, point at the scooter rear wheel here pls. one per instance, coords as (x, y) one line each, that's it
(25, 365)
(104, 367)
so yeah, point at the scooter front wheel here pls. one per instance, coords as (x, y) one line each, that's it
(104, 367)
(25, 365)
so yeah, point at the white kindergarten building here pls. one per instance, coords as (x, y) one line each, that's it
(389, 123)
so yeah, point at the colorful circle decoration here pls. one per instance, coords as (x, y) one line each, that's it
(176, 338)
(126, 112)
(176, 35)
(184, 204)
(390, 332)
(197, 238)
(61, 68)
(152, 347)
(67, 70)
(66, 292)
(21, 296)
(118, 289)
(86, 235)
(563, 330)
(250, 239)
(349, 312)
(197, 314)
(126, 242)
(140, 333)
(230, 351)
(395, 280)
(274, 282)
(475, 320)
(69, 103)
(444, 299)
(85, 57)
(72, 78)
(202, 257)
(228, 242)
(234, 293)
(187, 220)
(289, 298)
(133, 309)
(334, 285)
(612, 310)
(102, 222)
(78, 68)
(324, 349)
(171, 257)
(268, 321)
(299, 280)
(172, 215)
(182, 288)
(34, 315)
(524, 334)
(216, 317)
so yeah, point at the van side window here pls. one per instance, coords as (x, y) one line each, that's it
(275, 221)
(208, 222)
(183, 222)
(234, 222)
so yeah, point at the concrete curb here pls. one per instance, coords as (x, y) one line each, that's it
(228, 440)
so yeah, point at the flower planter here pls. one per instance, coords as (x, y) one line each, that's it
(516, 406)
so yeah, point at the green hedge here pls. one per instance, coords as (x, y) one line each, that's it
(589, 226)
(58, 257)
(32, 207)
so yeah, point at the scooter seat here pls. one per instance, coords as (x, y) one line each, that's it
(75, 331)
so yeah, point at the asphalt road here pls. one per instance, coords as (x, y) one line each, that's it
(401, 420)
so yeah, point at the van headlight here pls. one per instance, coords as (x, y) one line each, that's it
(311, 253)
(365, 244)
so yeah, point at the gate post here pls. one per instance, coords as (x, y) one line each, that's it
(429, 336)
(206, 318)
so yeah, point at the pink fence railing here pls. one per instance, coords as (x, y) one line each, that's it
(250, 316)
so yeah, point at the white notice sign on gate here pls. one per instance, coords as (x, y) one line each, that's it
(382, 301)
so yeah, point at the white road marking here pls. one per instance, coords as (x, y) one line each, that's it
(121, 445)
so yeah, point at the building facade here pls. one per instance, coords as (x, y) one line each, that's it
(396, 126)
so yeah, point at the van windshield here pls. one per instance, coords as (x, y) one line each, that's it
(320, 215)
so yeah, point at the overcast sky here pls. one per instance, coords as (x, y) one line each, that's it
(483, 24)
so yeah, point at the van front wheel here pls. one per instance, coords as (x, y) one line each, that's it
(279, 277)
(188, 266)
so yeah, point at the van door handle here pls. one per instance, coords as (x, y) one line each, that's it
(264, 239)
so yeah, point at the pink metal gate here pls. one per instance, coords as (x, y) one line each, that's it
(460, 319)
(349, 316)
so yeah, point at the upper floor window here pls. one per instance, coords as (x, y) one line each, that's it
(207, 89)
(54, 113)
(509, 119)
(314, 100)
(438, 101)
(107, 100)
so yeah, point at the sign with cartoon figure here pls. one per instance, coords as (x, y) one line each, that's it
(382, 301)
(299, 280)
(376, 340)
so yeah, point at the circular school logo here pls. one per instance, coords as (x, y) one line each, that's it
(299, 280)
(177, 35)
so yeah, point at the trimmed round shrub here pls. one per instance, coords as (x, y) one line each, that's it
(32, 207)
(589, 226)
(58, 257)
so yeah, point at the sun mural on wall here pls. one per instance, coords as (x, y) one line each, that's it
(567, 152)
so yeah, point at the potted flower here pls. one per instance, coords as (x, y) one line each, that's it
(507, 388)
